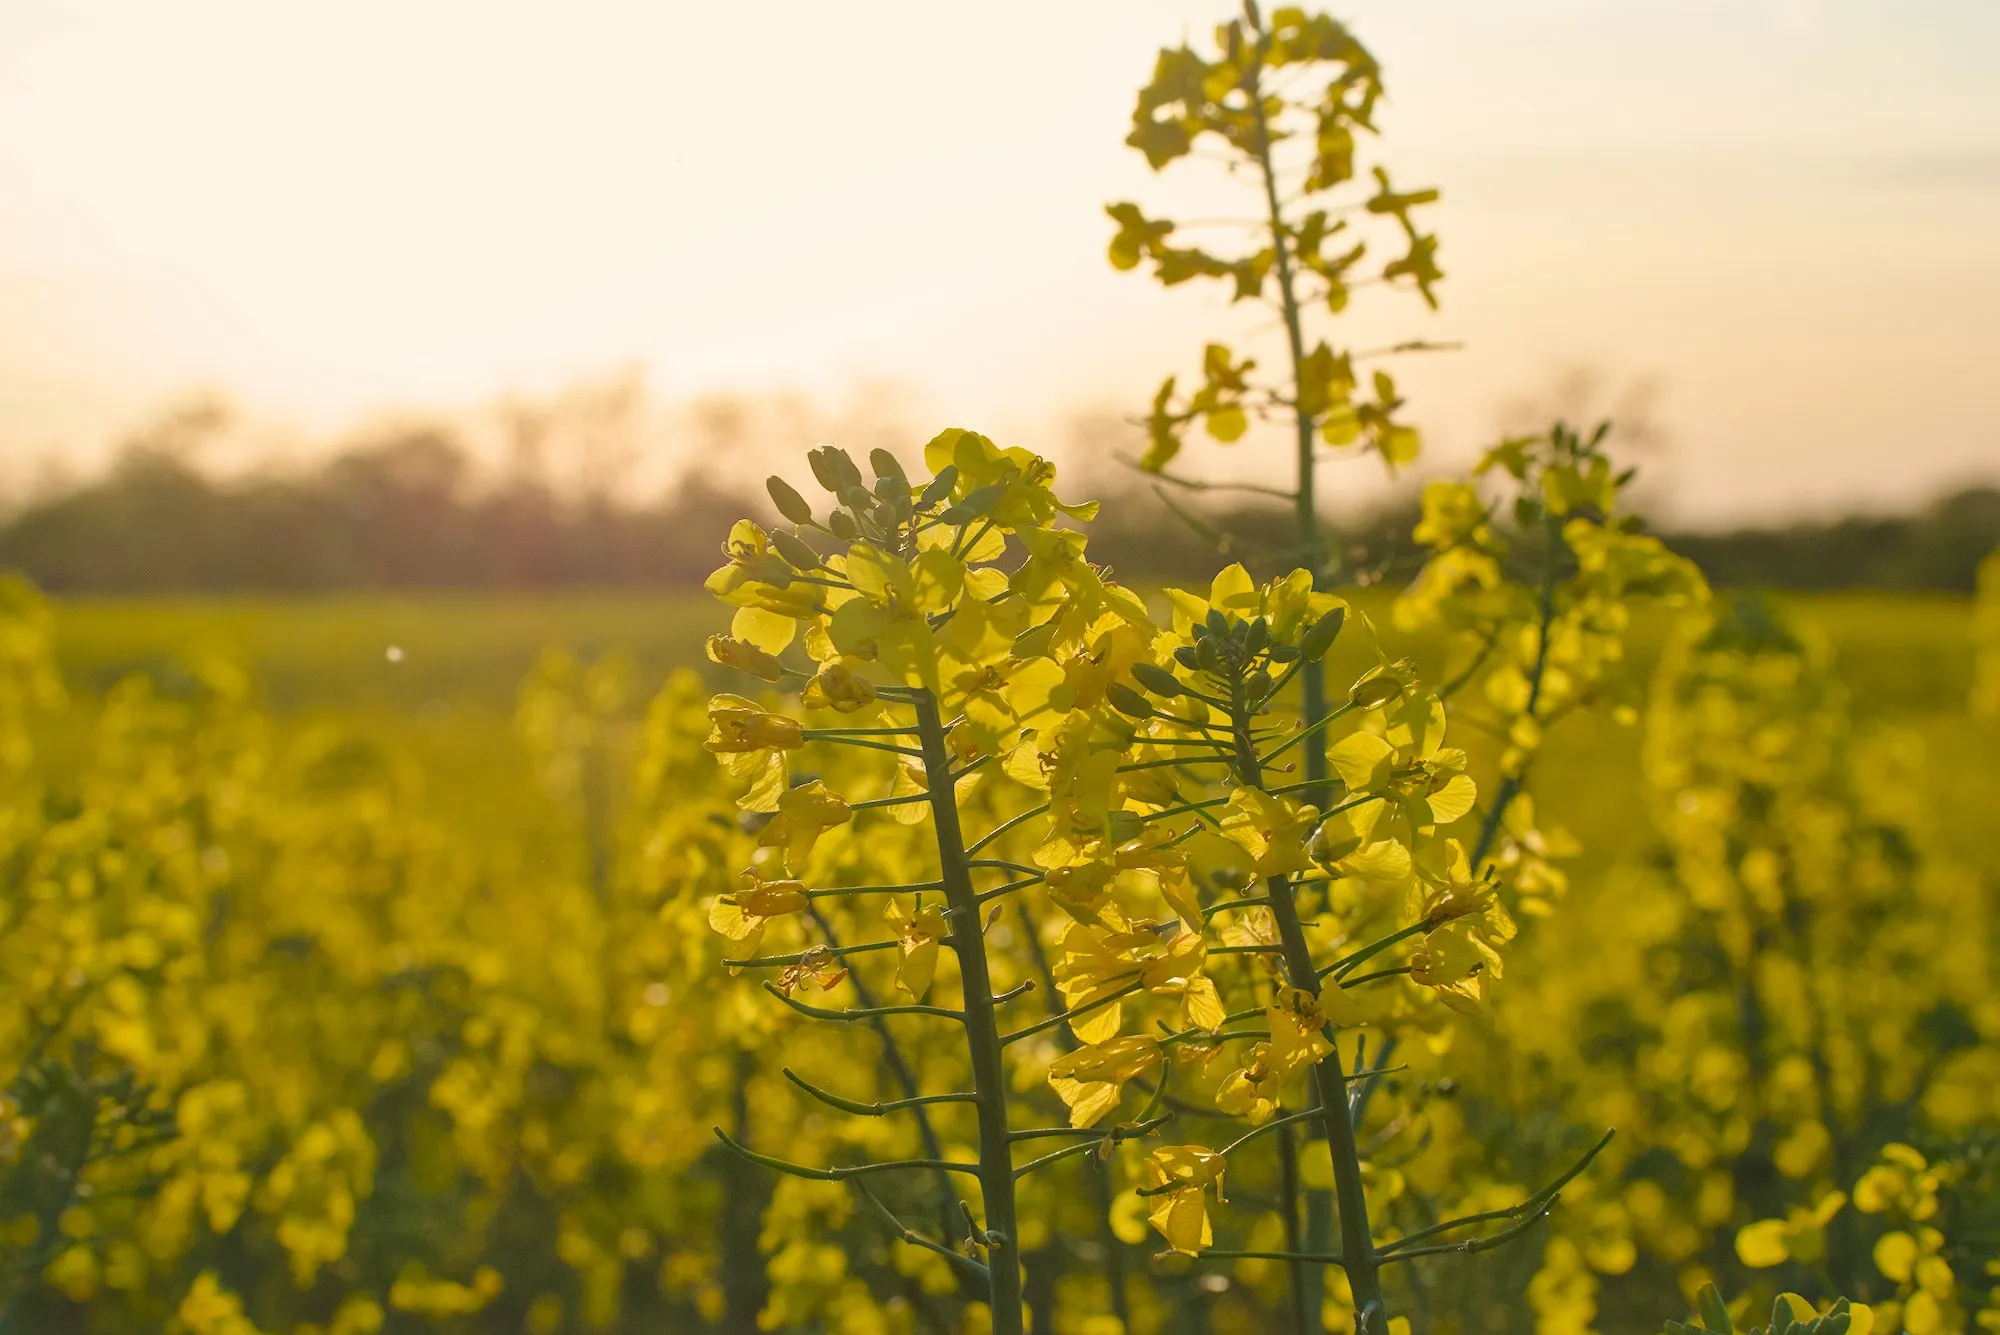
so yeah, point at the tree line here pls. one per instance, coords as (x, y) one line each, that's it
(412, 510)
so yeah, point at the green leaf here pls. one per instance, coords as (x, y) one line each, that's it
(1714, 1312)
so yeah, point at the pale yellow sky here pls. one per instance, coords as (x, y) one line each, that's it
(1786, 213)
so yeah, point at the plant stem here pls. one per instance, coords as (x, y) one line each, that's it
(982, 1034)
(1357, 1246)
(1312, 680)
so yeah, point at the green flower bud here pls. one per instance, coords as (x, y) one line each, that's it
(833, 468)
(790, 504)
(795, 551)
(940, 486)
(1157, 680)
(1127, 701)
(1320, 636)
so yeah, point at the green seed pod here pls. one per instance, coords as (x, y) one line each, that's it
(795, 551)
(790, 504)
(1127, 701)
(1157, 680)
(1320, 636)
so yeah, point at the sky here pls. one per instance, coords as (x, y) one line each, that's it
(1771, 225)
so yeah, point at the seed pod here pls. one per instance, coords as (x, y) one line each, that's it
(1157, 680)
(795, 551)
(1127, 701)
(790, 504)
(1320, 637)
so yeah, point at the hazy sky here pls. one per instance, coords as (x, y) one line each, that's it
(1784, 214)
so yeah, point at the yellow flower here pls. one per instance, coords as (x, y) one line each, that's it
(839, 687)
(1178, 973)
(1298, 1039)
(1272, 829)
(1181, 1175)
(1799, 1236)
(738, 727)
(744, 657)
(743, 916)
(1091, 1080)
(919, 934)
(751, 743)
(805, 812)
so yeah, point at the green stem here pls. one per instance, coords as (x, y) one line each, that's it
(905, 1077)
(982, 1034)
(1357, 1246)
(1312, 679)
(1510, 787)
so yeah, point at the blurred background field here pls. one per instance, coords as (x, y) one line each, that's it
(438, 674)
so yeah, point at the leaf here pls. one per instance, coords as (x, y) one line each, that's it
(1714, 1313)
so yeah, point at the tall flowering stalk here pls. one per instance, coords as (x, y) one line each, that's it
(1285, 101)
(1220, 933)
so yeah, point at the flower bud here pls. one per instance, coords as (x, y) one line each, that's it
(1127, 701)
(790, 504)
(1157, 680)
(1320, 637)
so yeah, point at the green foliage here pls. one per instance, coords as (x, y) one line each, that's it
(1790, 1315)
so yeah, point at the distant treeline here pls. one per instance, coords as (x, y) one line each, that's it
(409, 511)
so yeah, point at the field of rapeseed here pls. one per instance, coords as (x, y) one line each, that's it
(404, 1010)
(923, 932)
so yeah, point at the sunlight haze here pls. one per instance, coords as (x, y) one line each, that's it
(1780, 214)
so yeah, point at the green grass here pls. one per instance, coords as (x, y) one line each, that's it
(1906, 659)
